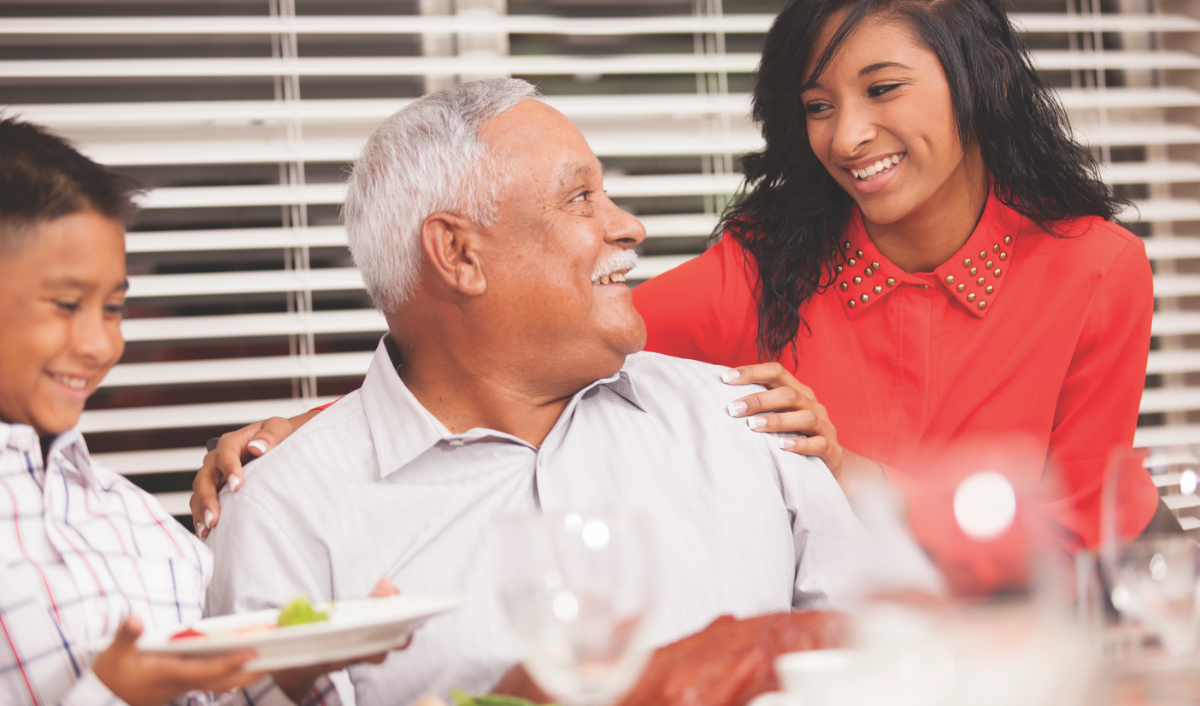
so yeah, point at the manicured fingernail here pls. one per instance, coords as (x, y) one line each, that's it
(730, 375)
(735, 408)
(208, 518)
(756, 422)
(200, 527)
(234, 482)
(785, 443)
(258, 445)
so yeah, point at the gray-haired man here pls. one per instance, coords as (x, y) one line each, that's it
(511, 380)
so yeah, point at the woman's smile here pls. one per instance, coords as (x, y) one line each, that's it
(871, 176)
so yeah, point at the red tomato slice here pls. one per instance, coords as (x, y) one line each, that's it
(187, 633)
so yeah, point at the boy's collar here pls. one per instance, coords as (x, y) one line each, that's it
(24, 438)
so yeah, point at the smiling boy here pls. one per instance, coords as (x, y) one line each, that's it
(85, 556)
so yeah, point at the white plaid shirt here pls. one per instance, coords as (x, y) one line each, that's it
(81, 548)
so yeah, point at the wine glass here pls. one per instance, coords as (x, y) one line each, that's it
(1152, 568)
(578, 587)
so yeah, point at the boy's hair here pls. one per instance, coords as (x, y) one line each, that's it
(43, 178)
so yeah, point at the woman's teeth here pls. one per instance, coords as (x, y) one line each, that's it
(877, 168)
(74, 383)
(614, 277)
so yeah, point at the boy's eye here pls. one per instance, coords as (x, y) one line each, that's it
(67, 306)
(115, 309)
(877, 91)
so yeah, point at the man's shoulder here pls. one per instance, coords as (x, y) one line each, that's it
(332, 443)
(681, 380)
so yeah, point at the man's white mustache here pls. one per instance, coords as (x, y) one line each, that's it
(617, 262)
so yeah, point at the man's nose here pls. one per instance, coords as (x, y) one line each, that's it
(624, 228)
(854, 128)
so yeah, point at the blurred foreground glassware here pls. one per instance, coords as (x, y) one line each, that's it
(1153, 570)
(578, 587)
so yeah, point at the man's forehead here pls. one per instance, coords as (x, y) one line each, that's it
(572, 167)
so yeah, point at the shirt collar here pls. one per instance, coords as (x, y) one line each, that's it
(22, 438)
(973, 276)
(402, 429)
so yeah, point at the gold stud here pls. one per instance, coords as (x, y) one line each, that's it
(864, 298)
(875, 265)
(857, 279)
(851, 262)
(1003, 256)
(852, 303)
(962, 287)
(949, 279)
(878, 289)
(979, 281)
(846, 245)
(996, 271)
(924, 286)
(982, 254)
(982, 304)
(973, 271)
(1008, 240)
(995, 248)
(868, 272)
(858, 253)
(971, 297)
(967, 262)
(990, 289)
(891, 282)
(845, 286)
(839, 269)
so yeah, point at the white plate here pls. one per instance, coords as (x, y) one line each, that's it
(356, 628)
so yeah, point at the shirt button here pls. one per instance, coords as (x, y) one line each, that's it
(924, 286)
(456, 442)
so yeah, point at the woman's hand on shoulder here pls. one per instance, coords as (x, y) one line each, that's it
(787, 406)
(224, 464)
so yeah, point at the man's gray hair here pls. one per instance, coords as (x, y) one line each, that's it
(425, 158)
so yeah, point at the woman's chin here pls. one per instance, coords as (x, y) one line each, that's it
(884, 212)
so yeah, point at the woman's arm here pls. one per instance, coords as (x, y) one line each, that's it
(1098, 403)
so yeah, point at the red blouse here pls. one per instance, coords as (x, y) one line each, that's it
(1019, 332)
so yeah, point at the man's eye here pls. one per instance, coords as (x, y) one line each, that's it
(583, 196)
(876, 91)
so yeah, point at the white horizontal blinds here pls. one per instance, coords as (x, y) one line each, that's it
(1155, 160)
(244, 302)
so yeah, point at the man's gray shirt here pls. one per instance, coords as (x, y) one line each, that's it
(376, 486)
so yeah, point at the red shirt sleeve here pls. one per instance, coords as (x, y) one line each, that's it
(1098, 403)
(704, 309)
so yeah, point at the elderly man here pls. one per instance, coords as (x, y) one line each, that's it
(511, 381)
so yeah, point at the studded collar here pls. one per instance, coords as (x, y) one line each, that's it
(972, 277)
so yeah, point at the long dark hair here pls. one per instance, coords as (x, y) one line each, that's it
(791, 220)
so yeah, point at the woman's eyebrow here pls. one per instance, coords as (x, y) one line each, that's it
(881, 65)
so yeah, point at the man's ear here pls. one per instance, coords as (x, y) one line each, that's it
(451, 246)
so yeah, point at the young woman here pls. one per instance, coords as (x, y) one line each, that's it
(925, 253)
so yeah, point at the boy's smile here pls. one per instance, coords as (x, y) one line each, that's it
(61, 302)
